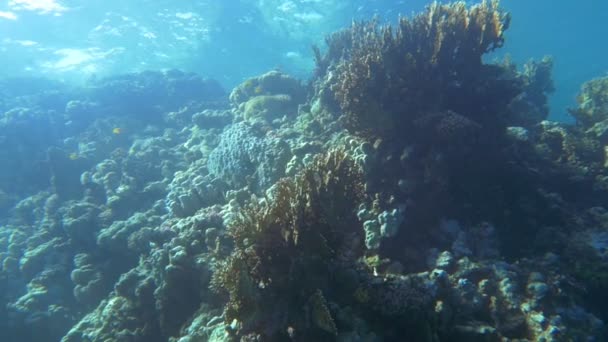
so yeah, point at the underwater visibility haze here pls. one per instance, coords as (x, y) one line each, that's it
(303, 170)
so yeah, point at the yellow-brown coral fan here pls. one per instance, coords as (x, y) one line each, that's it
(427, 63)
(285, 246)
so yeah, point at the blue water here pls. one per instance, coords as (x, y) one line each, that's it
(234, 39)
(570, 31)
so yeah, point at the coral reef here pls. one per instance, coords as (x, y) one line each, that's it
(268, 97)
(93, 205)
(412, 192)
(281, 263)
(384, 78)
(270, 83)
(212, 118)
(194, 189)
(246, 156)
(438, 119)
(27, 132)
(592, 112)
(530, 106)
(148, 94)
(385, 225)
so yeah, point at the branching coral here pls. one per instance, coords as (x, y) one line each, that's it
(593, 102)
(286, 247)
(530, 106)
(381, 75)
(592, 112)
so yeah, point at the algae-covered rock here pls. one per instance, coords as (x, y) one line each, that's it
(268, 107)
(36, 259)
(193, 189)
(80, 222)
(270, 83)
(89, 285)
(115, 238)
(268, 97)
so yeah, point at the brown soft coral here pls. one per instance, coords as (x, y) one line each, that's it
(381, 75)
(286, 247)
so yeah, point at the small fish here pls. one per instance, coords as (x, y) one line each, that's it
(73, 156)
(117, 130)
